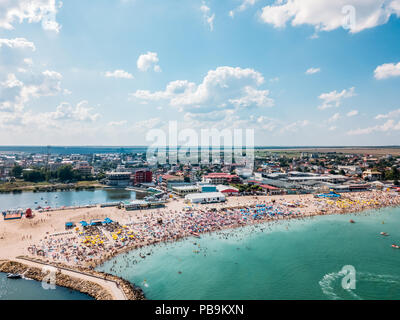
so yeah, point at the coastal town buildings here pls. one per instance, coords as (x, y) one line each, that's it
(118, 179)
(270, 190)
(208, 197)
(84, 168)
(371, 175)
(184, 190)
(168, 178)
(352, 170)
(228, 190)
(273, 172)
(221, 178)
(142, 176)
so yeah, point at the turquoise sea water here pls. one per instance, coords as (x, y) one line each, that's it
(63, 198)
(32, 290)
(299, 259)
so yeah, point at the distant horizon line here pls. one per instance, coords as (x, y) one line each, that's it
(146, 146)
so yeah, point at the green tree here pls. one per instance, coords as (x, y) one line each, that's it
(33, 176)
(16, 171)
(101, 175)
(65, 173)
(392, 174)
(395, 173)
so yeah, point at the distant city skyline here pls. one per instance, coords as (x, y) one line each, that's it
(75, 73)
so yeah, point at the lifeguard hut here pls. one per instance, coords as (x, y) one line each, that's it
(28, 213)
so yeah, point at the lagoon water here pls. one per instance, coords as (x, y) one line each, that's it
(32, 290)
(299, 259)
(63, 198)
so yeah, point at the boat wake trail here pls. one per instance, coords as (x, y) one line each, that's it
(331, 284)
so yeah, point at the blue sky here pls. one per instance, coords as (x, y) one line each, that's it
(82, 74)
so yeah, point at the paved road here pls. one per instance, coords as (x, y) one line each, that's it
(111, 286)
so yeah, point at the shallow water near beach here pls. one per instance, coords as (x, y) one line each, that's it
(298, 259)
(22, 289)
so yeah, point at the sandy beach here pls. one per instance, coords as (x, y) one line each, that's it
(44, 236)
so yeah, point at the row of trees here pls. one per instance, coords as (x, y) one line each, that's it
(392, 174)
(63, 174)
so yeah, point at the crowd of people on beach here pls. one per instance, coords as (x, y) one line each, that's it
(94, 244)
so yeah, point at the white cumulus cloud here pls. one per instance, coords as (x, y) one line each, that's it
(117, 123)
(118, 74)
(81, 112)
(391, 124)
(327, 15)
(32, 11)
(352, 113)
(147, 124)
(313, 70)
(387, 70)
(17, 43)
(64, 114)
(222, 88)
(242, 7)
(334, 118)
(295, 126)
(334, 98)
(207, 16)
(15, 93)
(390, 115)
(148, 61)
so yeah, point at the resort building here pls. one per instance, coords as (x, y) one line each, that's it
(209, 197)
(340, 188)
(332, 178)
(168, 178)
(227, 190)
(84, 168)
(359, 187)
(377, 185)
(184, 190)
(142, 205)
(118, 179)
(221, 178)
(245, 173)
(142, 176)
(275, 175)
(350, 169)
(371, 175)
(270, 190)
